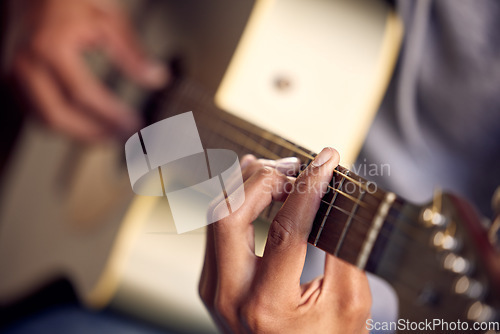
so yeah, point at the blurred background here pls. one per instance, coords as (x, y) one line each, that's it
(78, 252)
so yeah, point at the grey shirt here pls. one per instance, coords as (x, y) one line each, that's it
(439, 123)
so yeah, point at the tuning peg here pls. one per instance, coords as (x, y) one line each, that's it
(432, 216)
(480, 312)
(445, 241)
(469, 287)
(457, 264)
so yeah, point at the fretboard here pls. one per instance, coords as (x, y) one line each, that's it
(352, 221)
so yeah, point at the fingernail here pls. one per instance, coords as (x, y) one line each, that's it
(289, 160)
(323, 156)
(156, 75)
(288, 166)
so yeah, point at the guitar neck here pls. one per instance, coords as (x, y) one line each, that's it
(355, 219)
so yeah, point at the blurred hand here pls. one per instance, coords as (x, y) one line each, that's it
(48, 65)
(248, 294)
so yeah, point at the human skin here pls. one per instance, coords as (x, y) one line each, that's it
(245, 293)
(49, 68)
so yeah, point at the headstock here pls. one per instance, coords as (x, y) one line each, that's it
(442, 263)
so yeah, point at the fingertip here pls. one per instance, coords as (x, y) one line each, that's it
(289, 166)
(246, 160)
(289, 160)
(335, 157)
(327, 154)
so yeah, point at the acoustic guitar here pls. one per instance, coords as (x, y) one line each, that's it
(439, 257)
(68, 210)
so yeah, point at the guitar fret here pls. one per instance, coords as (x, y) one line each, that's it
(374, 230)
(305, 165)
(323, 222)
(336, 227)
(348, 222)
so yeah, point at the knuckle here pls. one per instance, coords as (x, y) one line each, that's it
(281, 232)
(264, 177)
(247, 158)
(264, 172)
(256, 315)
(252, 168)
(356, 307)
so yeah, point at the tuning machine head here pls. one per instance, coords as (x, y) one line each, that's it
(481, 312)
(432, 218)
(457, 264)
(446, 241)
(469, 287)
(432, 215)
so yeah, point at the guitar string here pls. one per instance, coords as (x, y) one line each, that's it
(256, 147)
(271, 155)
(261, 149)
(280, 141)
(351, 198)
(355, 227)
(397, 240)
(230, 137)
(358, 183)
(291, 147)
(260, 132)
(383, 232)
(389, 220)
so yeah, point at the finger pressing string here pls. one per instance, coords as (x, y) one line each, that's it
(286, 245)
